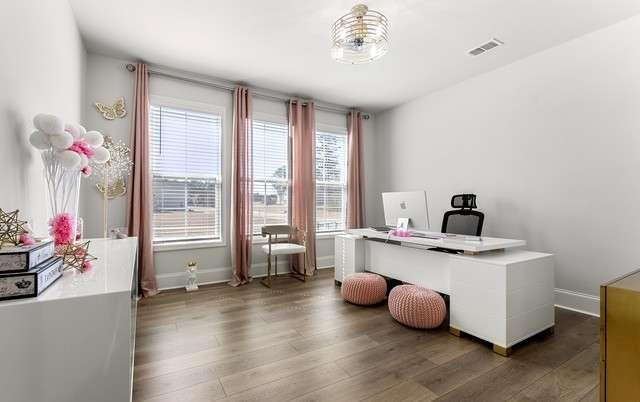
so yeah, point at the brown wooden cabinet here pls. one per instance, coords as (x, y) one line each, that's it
(620, 339)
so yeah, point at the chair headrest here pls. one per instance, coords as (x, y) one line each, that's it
(464, 201)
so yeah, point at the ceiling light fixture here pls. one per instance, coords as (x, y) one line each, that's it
(359, 37)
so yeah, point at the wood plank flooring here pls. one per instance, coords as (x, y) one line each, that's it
(300, 341)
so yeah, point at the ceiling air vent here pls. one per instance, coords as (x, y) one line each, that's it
(493, 43)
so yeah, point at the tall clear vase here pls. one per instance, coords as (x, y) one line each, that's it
(63, 189)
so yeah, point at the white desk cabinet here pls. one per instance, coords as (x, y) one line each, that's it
(74, 342)
(349, 256)
(501, 296)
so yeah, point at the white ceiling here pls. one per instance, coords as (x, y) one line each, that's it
(283, 44)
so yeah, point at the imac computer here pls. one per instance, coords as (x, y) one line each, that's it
(406, 204)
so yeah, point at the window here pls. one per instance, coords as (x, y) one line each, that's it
(331, 181)
(186, 169)
(270, 174)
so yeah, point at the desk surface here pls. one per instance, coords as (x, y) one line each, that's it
(464, 243)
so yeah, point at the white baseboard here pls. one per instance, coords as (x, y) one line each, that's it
(576, 301)
(207, 276)
(566, 299)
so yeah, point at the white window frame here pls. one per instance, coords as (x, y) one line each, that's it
(166, 101)
(337, 130)
(273, 118)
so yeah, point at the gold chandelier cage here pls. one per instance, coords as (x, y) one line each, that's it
(360, 36)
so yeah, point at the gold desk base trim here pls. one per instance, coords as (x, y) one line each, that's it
(501, 350)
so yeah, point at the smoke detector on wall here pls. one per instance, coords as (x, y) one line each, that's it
(492, 44)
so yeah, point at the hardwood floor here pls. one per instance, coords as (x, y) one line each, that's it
(300, 341)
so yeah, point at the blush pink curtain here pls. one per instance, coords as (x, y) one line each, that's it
(355, 210)
(302, 133)
(140, 198)
(241, 188)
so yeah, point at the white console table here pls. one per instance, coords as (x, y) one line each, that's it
(497, 291)
(74, 342)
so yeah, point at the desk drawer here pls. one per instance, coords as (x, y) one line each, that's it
(416, 266)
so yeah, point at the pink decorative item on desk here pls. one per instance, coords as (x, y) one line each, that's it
(66, 150)
(400, 233)
(25, 239)
(86, 265)
(62, 228)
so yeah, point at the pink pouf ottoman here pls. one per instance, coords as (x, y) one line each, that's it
(417, 307)
(364, 289)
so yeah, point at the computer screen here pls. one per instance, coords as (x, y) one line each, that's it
(406, 204)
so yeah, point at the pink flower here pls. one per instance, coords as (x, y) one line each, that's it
(61, 228)
(81, 147)
(86, 265)
(25, 239)
(86, 171)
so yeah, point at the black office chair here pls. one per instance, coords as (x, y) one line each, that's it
(465, 220)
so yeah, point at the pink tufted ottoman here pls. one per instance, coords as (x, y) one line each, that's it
(364, 289)
(416, 307)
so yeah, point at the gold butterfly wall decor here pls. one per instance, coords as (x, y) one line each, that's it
(112, 112)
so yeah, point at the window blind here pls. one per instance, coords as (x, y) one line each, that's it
(186, 169)
(270, 174)
(331, 181)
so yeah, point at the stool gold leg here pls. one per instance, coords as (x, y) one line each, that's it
(454, 331)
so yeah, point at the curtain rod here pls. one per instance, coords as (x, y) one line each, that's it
(230, 86)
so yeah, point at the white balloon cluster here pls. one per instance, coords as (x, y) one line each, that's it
(71, 144)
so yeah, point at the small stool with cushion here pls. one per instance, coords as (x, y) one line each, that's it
(364, 289)
(417, 307)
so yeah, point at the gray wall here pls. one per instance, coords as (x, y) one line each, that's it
(107, 79)
(551, 146)
(41, 71)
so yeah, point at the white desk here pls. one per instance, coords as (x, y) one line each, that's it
(469, 244)
(503, 294)
(74, 342)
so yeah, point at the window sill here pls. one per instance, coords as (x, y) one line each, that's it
(329, 235)
(187, 245)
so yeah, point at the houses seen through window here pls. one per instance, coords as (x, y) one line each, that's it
(186, 174)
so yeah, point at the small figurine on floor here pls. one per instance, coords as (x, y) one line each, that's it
(192, 277)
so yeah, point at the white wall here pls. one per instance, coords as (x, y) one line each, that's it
(41, 71)
(107, 79)
(551, 146)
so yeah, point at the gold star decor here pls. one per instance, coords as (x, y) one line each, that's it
(10, 227)
(77, 256)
